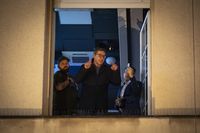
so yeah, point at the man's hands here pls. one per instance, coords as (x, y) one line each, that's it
(119, 102)
(62, 86)
(114, 67)
(88, 64)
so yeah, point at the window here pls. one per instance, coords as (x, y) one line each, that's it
(105, 28)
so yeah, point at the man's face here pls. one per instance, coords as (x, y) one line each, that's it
(126, 75)
(64, 65)
(99, 57)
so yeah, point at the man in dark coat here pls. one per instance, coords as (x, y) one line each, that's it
(65, 90)
(95, 77)
(128, 101)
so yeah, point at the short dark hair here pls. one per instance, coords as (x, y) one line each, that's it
(134, 69)
(63, 58)
(99, 49)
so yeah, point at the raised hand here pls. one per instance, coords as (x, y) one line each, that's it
(114, 67)
(88, 64)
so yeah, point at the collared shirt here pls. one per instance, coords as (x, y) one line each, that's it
(124, 88)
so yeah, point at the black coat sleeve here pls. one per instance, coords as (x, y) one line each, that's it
(133, 91)
(80, 76)
(114, 77)
(59, 77)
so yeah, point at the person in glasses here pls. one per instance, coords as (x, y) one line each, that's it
(95, 78)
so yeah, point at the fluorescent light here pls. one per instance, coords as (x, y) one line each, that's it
(75, 16)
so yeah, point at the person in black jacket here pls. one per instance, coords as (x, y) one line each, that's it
(128, 101)
(65, 90)
(95, 77)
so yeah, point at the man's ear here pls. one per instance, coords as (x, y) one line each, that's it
(59, 66)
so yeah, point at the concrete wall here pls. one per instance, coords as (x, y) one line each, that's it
(22, 27)
(196, 10)
(175, 56)
(175, 60)
(102, 3)
(175, 53)
(175, 71)
(100, 125)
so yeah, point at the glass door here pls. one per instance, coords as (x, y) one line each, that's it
(145, 75)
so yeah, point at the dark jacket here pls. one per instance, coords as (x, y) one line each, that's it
(94, 91)
(64, 101)
(131, 97)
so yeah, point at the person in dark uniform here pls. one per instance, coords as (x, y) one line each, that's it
(128, 101)
(65, 90)
(95, 77)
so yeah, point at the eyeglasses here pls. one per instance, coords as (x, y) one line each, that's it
(101, 56)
